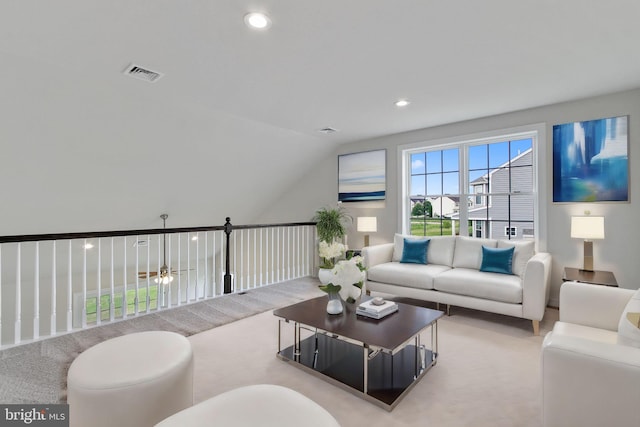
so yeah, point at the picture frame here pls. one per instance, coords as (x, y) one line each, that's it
(362, 176)
(591, 161)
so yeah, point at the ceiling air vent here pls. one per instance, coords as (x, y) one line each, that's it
(327, 130)
(141, 73)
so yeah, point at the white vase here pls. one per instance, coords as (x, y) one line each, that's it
(325, 275)
(334, 306)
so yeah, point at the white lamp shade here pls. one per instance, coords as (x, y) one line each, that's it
(587, 227)
(367, 224)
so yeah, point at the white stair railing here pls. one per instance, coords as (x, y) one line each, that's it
(105, 277)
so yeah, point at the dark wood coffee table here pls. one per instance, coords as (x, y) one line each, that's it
(379, 360)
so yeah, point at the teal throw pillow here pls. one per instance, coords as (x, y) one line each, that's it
(497, 260)
(415, 251)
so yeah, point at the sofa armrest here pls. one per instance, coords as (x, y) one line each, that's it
(377, 254)
(593, 305)
(535, 286)
(589, 383)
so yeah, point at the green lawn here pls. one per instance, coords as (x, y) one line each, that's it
(131, 296)
(434, 227)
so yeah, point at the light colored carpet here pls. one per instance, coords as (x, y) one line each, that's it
(488, 372)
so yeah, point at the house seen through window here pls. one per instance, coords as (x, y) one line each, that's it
(486, 185)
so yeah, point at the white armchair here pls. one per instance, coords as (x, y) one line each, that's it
(588, 377)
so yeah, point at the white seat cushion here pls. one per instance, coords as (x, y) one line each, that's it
(473, 283)
(410, 275)
(628, 333)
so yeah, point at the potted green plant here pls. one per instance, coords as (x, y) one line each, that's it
(330, 223)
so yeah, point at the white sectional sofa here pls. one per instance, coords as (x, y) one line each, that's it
(591, 359)
(452, 275)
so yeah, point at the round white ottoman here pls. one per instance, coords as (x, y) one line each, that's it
(134, 380)
(263, 405)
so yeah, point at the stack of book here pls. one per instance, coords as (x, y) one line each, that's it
(369, 309)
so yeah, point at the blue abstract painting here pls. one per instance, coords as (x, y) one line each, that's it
(362, 176)
(590, 161)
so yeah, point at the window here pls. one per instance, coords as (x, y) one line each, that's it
(435, 182)
(487, 184)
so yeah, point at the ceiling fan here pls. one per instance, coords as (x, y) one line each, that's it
(164, 275)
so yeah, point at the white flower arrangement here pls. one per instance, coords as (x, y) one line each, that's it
(329, 253)
(348, 279)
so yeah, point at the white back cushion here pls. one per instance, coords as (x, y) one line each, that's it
(524, 249)
(628, 333)
(398, 245)
(468, 251)
(439, 251)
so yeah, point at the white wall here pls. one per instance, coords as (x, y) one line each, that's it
(617, 253)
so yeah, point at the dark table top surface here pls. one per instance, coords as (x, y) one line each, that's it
(389, 332)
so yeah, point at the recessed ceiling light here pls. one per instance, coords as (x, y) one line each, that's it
(402, 103)
(257, 20)
(194, 238)
(88, 246)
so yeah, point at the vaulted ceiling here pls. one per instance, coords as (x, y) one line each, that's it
(234, 121)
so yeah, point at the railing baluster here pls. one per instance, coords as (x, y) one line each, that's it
(179, 298)
(235, 258)
(188, 271)
(137, 293)
(278, 253)
(148, 296)
(214, 290)
(289, 253)
(197, 268)
(242, 271)
(99, 282)
(158, 279)
(281, 250)
(206, 266)
(125, 301)
(112, 301)
(36, 293)
(84, 285)
(18, 315)
(0, 296)
(260, 256)
(271, 261)
(70, 289)
(166, 290)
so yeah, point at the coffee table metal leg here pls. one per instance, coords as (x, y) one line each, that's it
(434, 347)
(365, 370)
(279, 336)
(296, 341)
(315, 352)
(416, 354)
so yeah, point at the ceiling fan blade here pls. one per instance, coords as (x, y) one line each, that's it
(143, 274)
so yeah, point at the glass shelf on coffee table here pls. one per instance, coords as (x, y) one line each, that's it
(378, 360)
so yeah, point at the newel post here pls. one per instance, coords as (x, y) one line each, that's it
(228, 228)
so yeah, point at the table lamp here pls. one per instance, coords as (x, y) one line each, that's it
(587, 228)
(367, 224)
